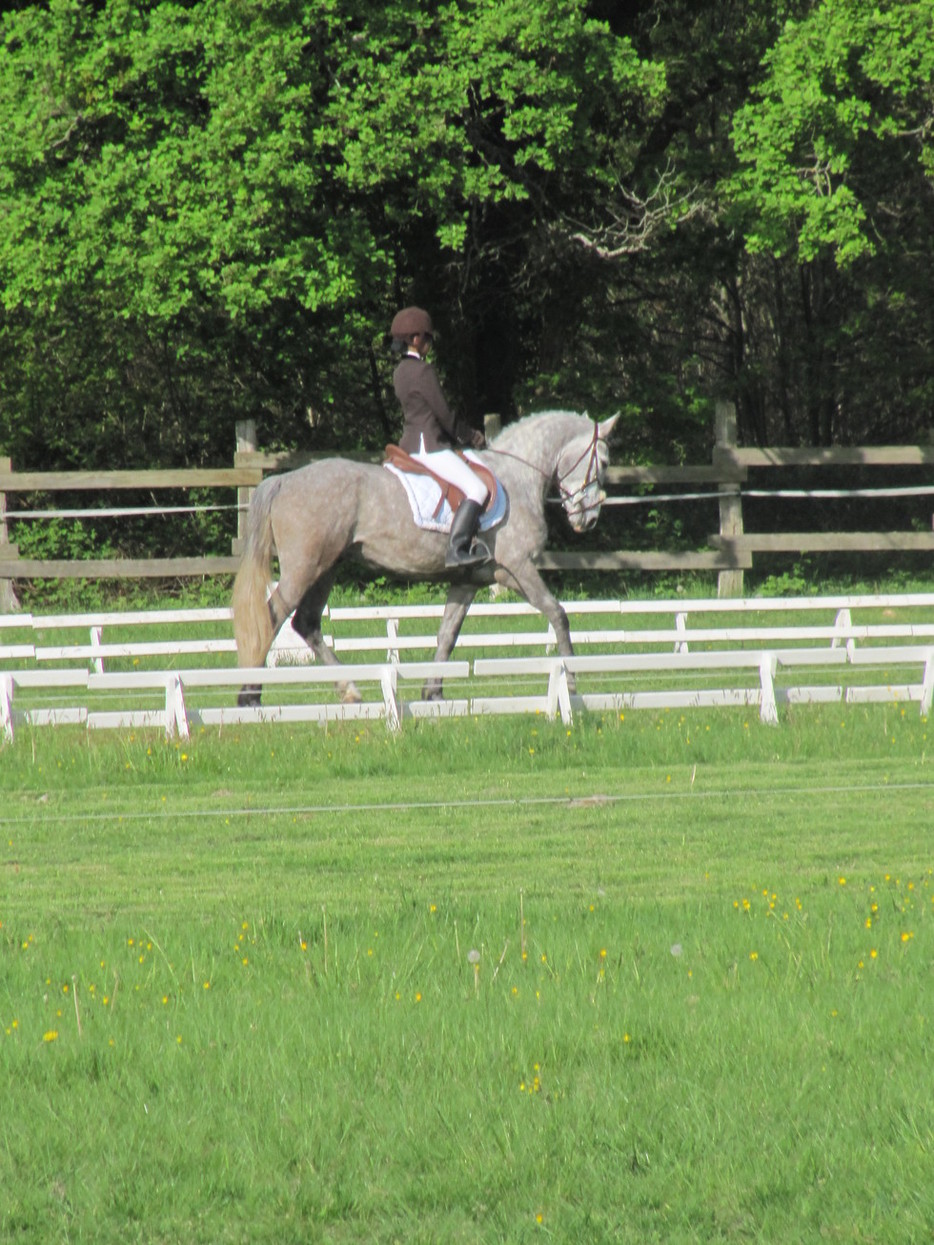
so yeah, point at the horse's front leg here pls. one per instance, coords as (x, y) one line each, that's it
(455, 611)
(526, 580)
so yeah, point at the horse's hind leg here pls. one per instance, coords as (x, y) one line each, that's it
(250, 694)
(307, 624)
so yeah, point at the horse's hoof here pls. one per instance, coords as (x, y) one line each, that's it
(350, 695)
(249, 698)
(432, 692)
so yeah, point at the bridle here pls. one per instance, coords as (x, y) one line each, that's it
(592, 475)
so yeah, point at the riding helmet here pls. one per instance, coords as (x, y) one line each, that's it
(411, 320)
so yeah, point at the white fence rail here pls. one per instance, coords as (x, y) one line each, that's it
(824, 655)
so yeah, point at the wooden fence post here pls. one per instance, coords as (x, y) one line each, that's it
(8, 601)
(729, 583)
(246, 443)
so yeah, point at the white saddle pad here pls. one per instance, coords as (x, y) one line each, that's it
(424, 493)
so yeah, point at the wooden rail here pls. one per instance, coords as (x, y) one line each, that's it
(101, 481)
(14, 567)
(826, 542)
(730, 551)
(741, 458)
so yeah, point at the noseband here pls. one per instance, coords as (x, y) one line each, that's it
(591, 476)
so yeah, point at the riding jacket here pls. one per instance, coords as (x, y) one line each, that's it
(427, 414)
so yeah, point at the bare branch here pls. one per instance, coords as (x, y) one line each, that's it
(634, 225)
(60, 142)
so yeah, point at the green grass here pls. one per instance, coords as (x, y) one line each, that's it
(701, 1010)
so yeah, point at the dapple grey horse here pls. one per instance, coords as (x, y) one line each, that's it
(316, 515)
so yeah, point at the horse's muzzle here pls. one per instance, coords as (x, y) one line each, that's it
(583, 518)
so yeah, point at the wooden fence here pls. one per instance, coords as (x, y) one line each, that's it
(730, 551)
(84, 670)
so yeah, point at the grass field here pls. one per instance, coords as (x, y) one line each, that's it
(664, 977)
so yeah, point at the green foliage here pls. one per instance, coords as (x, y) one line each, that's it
(166, 212)
(157, 156)
(799, 581)
(215, 185)
(209, 211)
(843, 107)
(477, 105)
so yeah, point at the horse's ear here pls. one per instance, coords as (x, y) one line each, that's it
(606, 426)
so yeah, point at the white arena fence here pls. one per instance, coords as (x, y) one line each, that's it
(629, 655)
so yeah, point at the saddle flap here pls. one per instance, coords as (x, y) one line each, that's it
(403, 461)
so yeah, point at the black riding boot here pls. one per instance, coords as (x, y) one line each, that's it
(463, 549)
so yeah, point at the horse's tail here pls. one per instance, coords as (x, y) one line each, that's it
(252, 622)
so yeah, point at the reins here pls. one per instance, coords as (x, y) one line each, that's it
(589, 477)
(564, 494)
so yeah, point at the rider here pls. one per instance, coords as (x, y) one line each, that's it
(431, 431)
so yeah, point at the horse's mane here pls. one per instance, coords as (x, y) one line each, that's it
(522, 428)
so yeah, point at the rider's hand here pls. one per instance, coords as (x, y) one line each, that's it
(477, 439)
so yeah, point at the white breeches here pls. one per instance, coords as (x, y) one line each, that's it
(451, 467)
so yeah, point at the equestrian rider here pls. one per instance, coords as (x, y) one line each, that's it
(431, 432)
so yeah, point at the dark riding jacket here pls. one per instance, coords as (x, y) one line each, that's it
(426, 412)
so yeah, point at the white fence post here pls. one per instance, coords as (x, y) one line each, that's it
(927, 685)
(176, 716)
(559, 697)
(389, 685)
(6, 707)
(842, 623)
(97, 638)
(768, 711)
(392, 635)
(681, 626)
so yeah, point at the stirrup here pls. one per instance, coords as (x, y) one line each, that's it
(478, 555)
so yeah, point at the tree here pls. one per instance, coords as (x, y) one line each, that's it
(844, 119)
(210, 211)
(216, 207)
(835, 177)
(479, 129)
(665, 264)
(166, 238)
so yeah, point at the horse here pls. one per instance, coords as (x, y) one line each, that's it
(316, 515)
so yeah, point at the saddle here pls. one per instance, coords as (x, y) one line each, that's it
(450, 493)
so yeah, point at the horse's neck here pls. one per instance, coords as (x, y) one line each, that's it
(540, 444)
